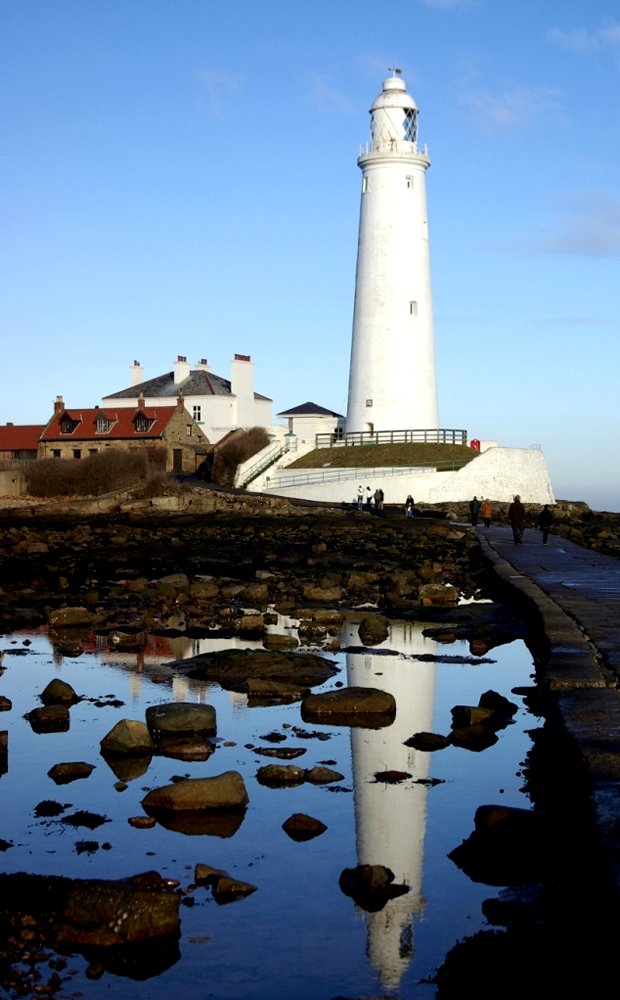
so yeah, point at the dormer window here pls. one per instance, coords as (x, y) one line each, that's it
(143, 423)
(68, 424)
(104, 424)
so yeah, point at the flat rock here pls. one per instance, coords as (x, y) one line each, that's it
(175, 719)
(223, 792)
(234, 668)
(350, 706)
(69, 771)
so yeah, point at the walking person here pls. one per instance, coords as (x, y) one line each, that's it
(360, 497)
(486, 511)
(516, 516)
(474, 510)
(369, 498)
(545, 522)
(409, 505)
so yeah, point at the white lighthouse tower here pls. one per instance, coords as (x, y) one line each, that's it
(392, 382)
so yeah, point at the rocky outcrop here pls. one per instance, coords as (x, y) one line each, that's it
(93, 913)
(188, 571)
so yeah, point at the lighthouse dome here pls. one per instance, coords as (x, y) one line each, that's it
(394, 95)
(393, 118)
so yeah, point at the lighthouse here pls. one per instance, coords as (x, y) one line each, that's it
(392, 381)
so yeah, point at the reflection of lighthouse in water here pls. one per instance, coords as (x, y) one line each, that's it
(390, 819)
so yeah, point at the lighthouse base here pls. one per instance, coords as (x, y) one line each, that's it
(497, 473)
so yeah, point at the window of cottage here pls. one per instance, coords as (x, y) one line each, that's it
(142, 423)
(77, 452)
(189, 430)
(55, 452)
(197, 413)
(104, 425)
(68, 425)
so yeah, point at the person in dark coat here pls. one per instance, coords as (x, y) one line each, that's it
(545, 522)
(516, 516)
(474, 510)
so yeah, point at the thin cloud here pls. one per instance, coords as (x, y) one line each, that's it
(587, 224)
(518, 105)
(581, 40)
(326, 98)
(218, 88)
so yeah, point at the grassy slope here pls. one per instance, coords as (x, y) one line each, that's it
(440, 456)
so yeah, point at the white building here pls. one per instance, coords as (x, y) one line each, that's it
(392, 381)
(217, 404)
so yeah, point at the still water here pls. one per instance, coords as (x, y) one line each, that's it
(297, 935)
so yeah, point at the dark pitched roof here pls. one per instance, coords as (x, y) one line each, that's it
(123, 423)
(20, 437)
(197, 383)
(309, 410)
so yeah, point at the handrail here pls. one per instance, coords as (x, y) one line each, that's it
(317, 477)
(264, 459)
(432, 435)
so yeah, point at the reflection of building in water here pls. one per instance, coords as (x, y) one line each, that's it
(390, 819)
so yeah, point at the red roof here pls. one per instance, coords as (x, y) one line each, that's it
(20, 437)
(81, 425)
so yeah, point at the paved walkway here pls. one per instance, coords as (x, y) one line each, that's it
(577, 593)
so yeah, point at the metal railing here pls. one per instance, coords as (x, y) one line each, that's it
(318, 477)
(250, 471)
(433, 435)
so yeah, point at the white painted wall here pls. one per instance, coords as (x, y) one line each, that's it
(497, 473)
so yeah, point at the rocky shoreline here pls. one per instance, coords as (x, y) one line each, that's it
(195, 561)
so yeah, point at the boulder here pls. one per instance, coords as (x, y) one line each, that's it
(373, 630)
(49, 719)
(509, 846)
(76, 617)
(350, 706)
(180, 719)
(427, 741)
(440, 594)
(128, 736)
(274, 775)
(234, 668)
(301, 827)
(224, 792)
(69, 771)
(371, 886)
(321, 775)
(58, 692)
(227, 890)
(94, 913)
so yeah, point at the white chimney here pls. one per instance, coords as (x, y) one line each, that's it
(136, 373)
(181, 369)
(202, 365)
(242, 387)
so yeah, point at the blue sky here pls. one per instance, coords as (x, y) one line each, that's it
(180, 177)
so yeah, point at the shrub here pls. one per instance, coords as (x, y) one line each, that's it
(104, 472)
(236, 450)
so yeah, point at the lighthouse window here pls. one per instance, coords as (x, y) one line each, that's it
(413, 308)
(369, 402)
(364, 185)
(411, 125)
(409, 181)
